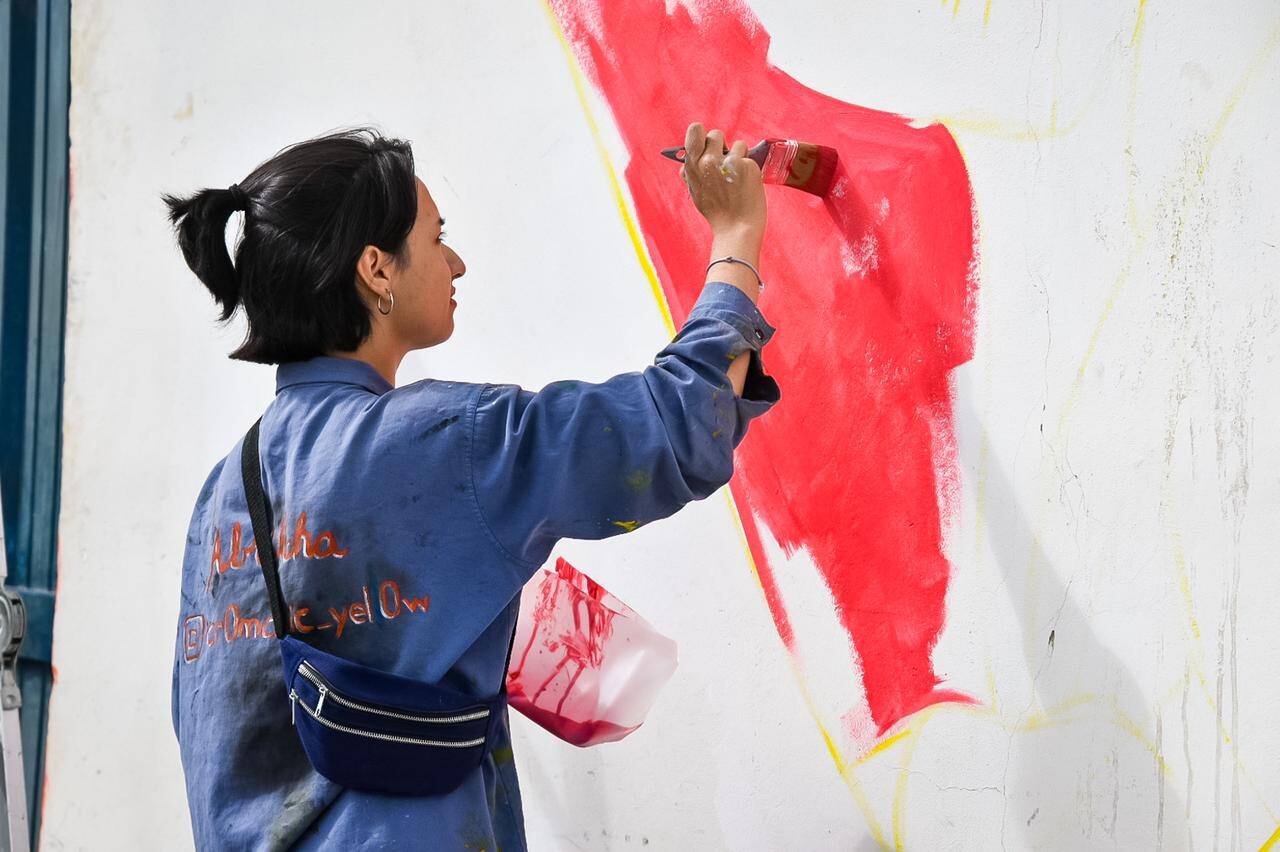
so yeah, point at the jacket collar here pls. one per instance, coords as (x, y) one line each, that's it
(347, 371)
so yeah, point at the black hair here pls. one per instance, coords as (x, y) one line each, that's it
(308, 213)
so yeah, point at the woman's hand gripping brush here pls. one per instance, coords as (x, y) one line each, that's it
(728, 191)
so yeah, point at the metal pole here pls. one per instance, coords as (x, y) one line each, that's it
(13, 626)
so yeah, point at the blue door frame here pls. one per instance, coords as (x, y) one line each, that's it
(35, 93)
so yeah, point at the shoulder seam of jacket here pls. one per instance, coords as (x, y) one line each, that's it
(471, 480)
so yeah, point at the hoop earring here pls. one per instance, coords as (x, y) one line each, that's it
(390, 296)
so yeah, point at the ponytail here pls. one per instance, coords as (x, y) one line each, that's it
(310, 211)
(200, 221)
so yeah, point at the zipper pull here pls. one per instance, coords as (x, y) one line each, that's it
(320, 703)
(293, 707)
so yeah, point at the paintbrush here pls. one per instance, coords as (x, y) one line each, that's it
(786, 162)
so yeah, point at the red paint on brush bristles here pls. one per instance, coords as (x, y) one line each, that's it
(872, 292)
(787, 162)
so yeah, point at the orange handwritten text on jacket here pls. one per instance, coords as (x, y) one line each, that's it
(301, 542)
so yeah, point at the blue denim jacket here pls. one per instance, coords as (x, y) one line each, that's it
(408, 519)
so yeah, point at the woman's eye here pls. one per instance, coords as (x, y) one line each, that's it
(442, 236)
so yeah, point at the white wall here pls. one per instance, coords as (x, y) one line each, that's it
(1117, 435)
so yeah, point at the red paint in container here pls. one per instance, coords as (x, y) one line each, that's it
(584, 665)
(585, 733)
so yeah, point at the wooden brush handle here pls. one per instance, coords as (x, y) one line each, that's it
(759, 152)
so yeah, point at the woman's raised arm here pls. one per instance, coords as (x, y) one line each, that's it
(586, 460)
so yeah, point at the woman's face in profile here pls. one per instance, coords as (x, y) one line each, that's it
(423, 284)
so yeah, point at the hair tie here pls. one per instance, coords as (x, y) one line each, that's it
(239, 196)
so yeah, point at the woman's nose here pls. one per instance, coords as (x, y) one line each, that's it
(456, 265)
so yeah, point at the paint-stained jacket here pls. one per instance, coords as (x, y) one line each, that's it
(408, 519)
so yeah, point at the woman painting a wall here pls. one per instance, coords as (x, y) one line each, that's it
(1098, 529)
(454, 492)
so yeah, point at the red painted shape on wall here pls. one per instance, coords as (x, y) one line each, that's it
(872, 294)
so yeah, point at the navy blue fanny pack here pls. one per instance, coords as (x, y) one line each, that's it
(364, 728)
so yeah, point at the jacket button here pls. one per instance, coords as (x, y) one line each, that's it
(759, 334)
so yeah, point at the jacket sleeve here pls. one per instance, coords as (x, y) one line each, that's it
(586, 460)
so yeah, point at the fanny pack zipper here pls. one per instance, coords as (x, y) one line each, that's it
(305, 669)
(295, 700)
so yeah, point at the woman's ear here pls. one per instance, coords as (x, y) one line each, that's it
(373, 269)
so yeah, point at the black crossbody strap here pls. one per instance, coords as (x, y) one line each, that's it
(260, 514)
(511, 645)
